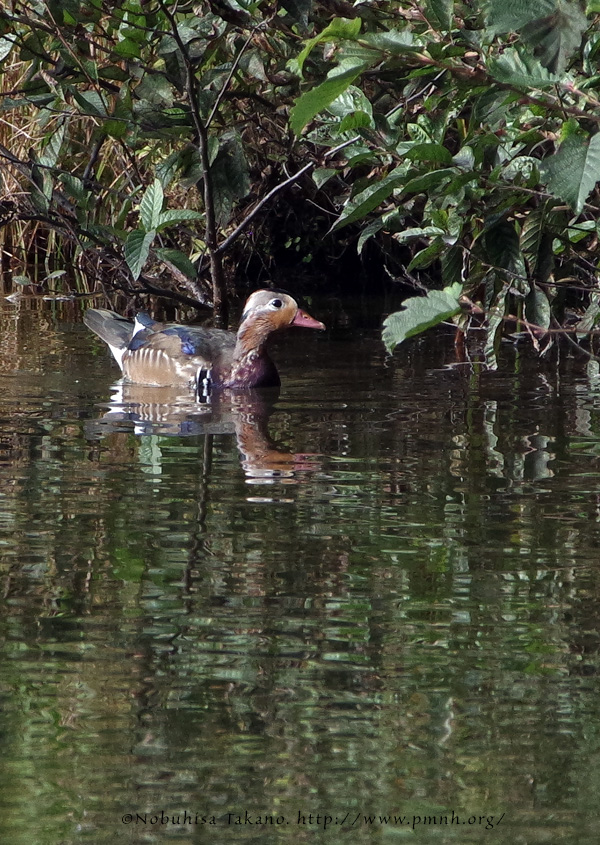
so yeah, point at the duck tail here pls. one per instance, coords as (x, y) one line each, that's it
(116, 331)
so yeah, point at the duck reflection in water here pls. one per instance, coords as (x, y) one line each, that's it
(173, 411)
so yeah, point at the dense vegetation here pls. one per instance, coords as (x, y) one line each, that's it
(453, 145)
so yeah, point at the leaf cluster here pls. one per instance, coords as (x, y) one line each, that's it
(471, 155)
(455, 143)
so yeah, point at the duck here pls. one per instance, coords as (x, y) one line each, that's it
(168, 354)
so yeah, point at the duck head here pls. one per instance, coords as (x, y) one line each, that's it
(268, 311)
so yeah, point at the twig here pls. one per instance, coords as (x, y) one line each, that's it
(276, 190)
(216, 264)
(234, 67)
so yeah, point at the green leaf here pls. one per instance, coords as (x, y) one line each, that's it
(429, 180)
(137, 249)
(572, 172)
(537, 307)
(425, 257)
(338, 29)
(452, 265)
(590, 317)
(312, 102)
(430, 152)
(439, 14)
(396, 42)
(512, 15)
(6, 45)
(53, 145)
(354, 108)
(151, 206)
(536, 241)
(90, 102)
(179, 260)
(74, 186)
(359, 206)
(177, 215)
(490, 109)
(552, 27)
(495, 321)
(127, 49)
(418, 232)
(229, 173)
(321, 175)
(503, 249)
(299, 10)
(557, 36)
(368, 232)
(421, 313)
(515, 67)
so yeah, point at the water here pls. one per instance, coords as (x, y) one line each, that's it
(372, 597)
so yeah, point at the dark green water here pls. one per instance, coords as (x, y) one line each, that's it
(375, 596)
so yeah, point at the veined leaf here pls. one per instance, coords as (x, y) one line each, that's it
(365, 201)
(396, 42)
(552, 27)
(515, 67)
(179, 260)
(572, 172)
(151, 206)
(557, 36)
(453, 265)
(338, 29)
(513, 15)
(368, 232)
(418, 232)
(6, 45)
(421, 313)
(429, 180)
(298, 9)
(537, 307)
(90, 102)
(591, 316)
(426, 257)
(494, 334)
(536, 241)
(321, 175)
(177, 215)
(312, 102)
(430, 152)
(52, 149)
(504, 250)
(439, 14)
(137, 249)
(229, 173)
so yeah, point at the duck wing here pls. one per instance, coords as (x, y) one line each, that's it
(176, 354)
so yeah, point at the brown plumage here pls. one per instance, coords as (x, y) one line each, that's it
(164, 354)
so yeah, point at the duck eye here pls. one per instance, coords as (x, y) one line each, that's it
(276, 303)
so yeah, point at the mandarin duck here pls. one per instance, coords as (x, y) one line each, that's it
(163, 354)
